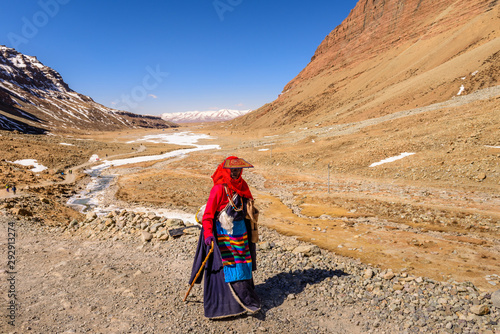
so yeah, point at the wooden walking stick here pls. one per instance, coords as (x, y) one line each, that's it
(199, 271)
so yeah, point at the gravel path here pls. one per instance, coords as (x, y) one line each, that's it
(90, 279)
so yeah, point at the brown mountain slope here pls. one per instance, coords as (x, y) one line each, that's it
(389, 56)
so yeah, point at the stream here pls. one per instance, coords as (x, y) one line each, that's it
(90, 199)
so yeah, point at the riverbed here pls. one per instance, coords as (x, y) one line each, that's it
(91, 199)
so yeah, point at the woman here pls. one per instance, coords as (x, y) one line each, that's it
(228, 285)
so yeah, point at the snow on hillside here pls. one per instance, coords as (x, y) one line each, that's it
(34, 98)
(203, 116)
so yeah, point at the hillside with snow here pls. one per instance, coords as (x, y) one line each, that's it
(203, 116)
(34, 98)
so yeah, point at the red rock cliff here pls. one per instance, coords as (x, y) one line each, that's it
(374, 26)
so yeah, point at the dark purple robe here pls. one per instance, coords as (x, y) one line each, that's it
(221, 299)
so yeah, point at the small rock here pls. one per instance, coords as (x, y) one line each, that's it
(480, 309)
(388, 276)
(495, 298)
(443, 301)
(264, 245)
(164, 237)
(368, 274)
(307, 250)
(146, 236)
(22, 212)
(174, 222)
(155, 227)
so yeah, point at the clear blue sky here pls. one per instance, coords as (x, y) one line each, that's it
(234, 54)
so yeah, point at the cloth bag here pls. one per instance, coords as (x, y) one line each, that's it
(253, 216)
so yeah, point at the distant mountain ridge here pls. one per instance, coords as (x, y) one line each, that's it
(34, 98)
(204, 116)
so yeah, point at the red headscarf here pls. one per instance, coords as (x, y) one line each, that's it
(223, 176)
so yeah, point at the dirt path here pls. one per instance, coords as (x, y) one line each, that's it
(70, 284)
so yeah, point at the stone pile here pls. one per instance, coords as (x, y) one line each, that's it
(128, 224)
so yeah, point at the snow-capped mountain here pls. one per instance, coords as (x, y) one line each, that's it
(203, 116)
(35, 98)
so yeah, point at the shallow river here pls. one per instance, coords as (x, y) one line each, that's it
(91, 198)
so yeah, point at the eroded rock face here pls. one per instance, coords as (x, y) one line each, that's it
(374, 26)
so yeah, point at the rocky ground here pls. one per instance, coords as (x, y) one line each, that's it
(76, 279)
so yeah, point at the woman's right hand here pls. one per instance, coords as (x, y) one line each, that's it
(209, 240)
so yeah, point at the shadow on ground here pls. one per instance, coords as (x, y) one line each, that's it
(276, 289)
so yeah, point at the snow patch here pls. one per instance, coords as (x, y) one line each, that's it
(462, 88)
(31, 162)
(180, 138)
(391, 159)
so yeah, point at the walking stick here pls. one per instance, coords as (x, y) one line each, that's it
(199, 271)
